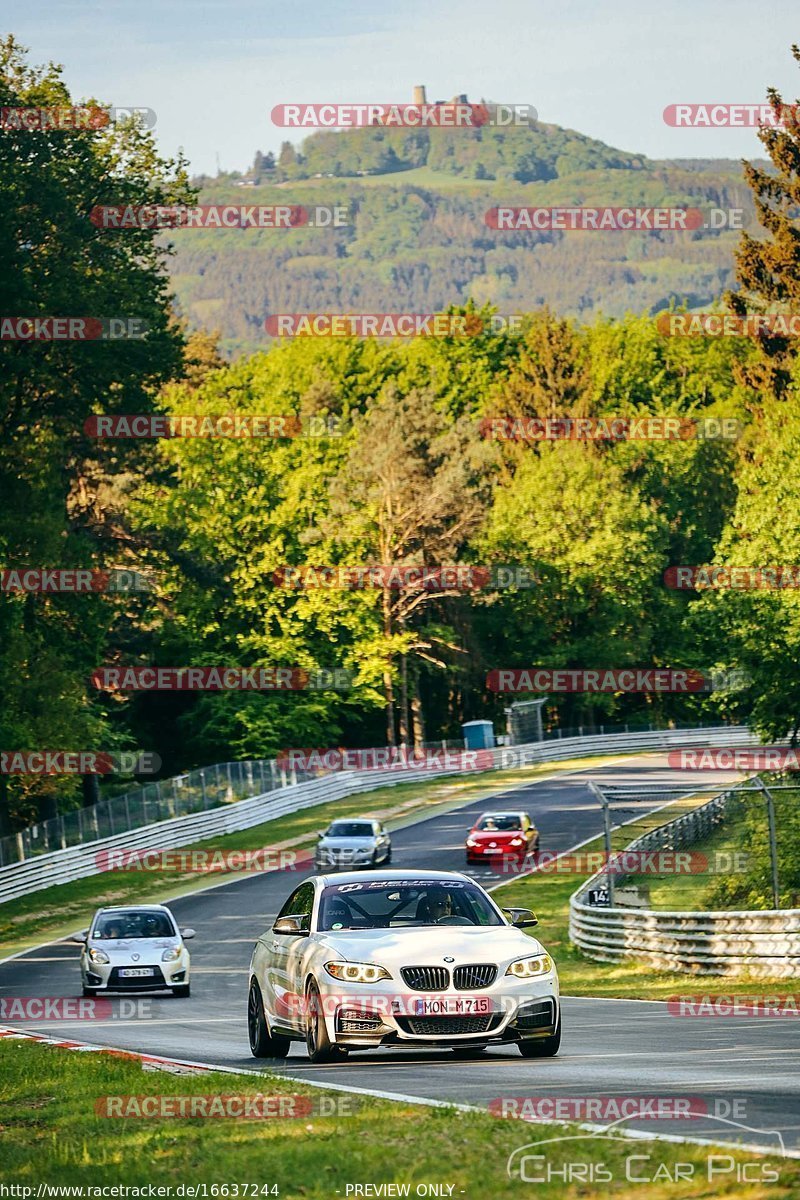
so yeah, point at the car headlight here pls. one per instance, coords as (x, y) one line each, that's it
(352, 972)
(526, 968)
(471, 842)
(171, 955)
(98, 956)
(517, 842)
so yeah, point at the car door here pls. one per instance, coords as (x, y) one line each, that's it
(285, 952)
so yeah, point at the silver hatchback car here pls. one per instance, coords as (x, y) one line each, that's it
(353, 842)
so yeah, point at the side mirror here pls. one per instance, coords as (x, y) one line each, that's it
(291, 925)
(320, 833)
(80, 937)
(186, 934)
(522, 918)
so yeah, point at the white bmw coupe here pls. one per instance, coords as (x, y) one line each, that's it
(400, 958)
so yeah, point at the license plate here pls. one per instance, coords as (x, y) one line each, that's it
(453, 1006)
(138, 972)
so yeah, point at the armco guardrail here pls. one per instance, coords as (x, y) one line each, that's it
(77, 862)
(703, 943)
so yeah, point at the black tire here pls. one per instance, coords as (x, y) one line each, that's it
(468, 1051)
(89, 993)
(544, 1047)
(389, 857)
(319, 1046)
(183, 989)
(262, 1043)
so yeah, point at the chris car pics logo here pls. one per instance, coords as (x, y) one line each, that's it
(600, 1157)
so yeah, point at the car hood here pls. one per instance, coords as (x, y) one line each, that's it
(121, 951)
(429, 946)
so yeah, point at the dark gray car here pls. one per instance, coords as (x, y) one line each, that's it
(353, 842)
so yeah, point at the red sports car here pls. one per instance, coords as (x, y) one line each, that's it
(510, 835)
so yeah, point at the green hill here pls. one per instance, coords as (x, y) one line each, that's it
(418, 240)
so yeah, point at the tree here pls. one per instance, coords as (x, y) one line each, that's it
(768, 269)
(412, 491)
(58, 484)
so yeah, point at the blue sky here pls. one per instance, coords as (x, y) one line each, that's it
(213, 69)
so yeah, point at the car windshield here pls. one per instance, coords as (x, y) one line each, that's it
(392, 904)
(133, 925)
(500, 821)
(350, 829)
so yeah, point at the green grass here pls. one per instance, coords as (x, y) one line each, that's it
(52, 1134)
(687, 893)
(59, 911)
(548, 893)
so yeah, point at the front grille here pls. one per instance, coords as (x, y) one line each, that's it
(446, 1026)
(352, 1021)
(476, 975)
(535, 1016)
(426, 979)
(145, 982)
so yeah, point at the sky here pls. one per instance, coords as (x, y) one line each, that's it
(213, 69)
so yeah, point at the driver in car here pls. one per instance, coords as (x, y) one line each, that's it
(440, 906)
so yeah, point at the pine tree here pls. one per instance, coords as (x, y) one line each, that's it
(768, 270)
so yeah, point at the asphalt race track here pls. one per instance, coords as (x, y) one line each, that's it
(742, 1069)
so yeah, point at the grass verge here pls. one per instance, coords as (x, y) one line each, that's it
(53, 1135)
(547, 892)
(57, 912)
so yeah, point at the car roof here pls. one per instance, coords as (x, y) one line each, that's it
(126, 908)
(401, 875)
(504, 812)
(353, 821)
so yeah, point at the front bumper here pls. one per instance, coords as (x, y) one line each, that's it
(106, 977)
(480, 853)
(348, 860)
(520, 1010)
